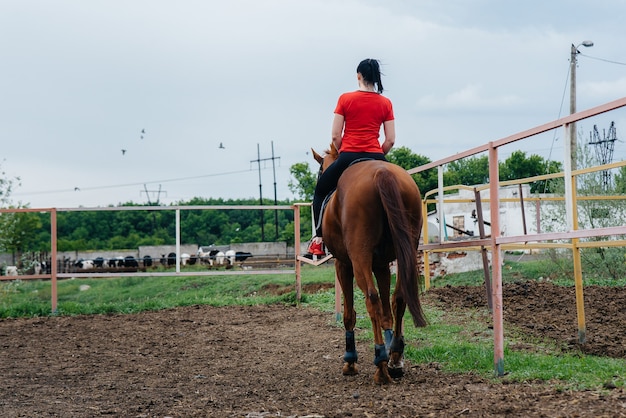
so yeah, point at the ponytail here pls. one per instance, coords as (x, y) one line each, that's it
(370, 70)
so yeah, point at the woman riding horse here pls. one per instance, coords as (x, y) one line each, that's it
(373, 218)
(355, 131)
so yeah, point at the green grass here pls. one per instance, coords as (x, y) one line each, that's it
(466, 346)
(457, 344)
(135, 294)
(542, 269)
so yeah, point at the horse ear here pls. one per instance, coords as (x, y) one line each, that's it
(333, 149)
(317, 157)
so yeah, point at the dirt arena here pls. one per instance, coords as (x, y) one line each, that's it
(285, 361)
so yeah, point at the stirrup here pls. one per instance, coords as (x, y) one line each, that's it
(316, 248)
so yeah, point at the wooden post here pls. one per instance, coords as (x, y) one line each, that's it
(521, 201)
(483, 250)
(496, 266)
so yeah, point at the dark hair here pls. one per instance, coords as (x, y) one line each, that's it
(370, 70)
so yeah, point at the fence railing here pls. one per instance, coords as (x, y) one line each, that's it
(495, 242)
(54, 274)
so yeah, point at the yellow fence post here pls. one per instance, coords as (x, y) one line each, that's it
(425, 253)
(578, 270)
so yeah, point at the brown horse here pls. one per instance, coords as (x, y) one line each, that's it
(373, 218)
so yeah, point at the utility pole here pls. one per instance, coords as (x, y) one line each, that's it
(148, 192)
(158, 194)
(258, 161)
(604, 150)
(572, 98)
(275, 198)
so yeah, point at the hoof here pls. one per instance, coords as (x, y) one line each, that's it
(396, 366)
(382, 377)
(350, 369)
(396, 373)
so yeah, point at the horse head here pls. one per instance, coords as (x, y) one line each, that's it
(330, 155)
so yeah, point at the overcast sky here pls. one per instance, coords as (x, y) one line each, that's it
(80, 80)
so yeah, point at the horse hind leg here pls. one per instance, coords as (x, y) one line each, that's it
(396, 344)
(381, 353)
(396, 358)
(389, 359)
(380, 313)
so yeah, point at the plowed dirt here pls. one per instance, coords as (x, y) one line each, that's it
(285, 361)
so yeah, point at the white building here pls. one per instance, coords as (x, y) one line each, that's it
(459, 212)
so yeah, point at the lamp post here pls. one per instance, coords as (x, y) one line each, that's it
(572, 98)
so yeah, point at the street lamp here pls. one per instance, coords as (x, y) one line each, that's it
(572, 98)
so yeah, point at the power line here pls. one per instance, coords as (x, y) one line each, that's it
(554, 137)
(602, 59)
(141, 183)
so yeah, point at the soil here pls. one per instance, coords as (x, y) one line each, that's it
(285, 361)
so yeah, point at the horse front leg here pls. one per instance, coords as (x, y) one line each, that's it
(350, 357)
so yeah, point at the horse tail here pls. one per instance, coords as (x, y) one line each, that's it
(404, 244)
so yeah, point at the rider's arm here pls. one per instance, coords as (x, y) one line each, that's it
(337, 130)
(390, 135)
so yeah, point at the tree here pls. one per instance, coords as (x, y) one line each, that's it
(475, 170)
(620, 180)
(303, 182)
(407, 159)
(468, 171)
(593, 213)
(18, 231)
(6, 187)
(519, 166)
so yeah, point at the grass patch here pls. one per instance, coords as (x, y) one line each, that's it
(462, 342)
(465, 345)
(542, 269)
(135, 294)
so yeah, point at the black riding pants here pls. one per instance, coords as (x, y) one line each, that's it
(327, 182)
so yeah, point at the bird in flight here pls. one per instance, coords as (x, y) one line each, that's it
(143, 131)
(76, 189)
(123, 152)
(222, 146)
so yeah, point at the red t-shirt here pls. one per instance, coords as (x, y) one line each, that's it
(364, 112)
